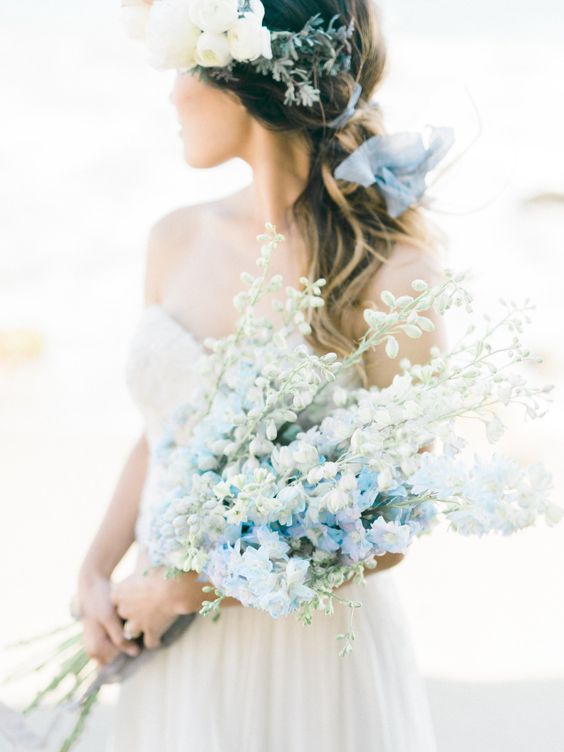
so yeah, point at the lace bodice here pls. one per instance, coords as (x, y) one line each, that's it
(161, 374)
(160, 367)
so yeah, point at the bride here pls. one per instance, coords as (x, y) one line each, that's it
(250, 682)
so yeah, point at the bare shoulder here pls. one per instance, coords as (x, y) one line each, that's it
(405, 264)
(170, 229)
(164, 241)
(175, 235)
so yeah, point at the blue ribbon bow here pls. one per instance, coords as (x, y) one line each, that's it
(398, 164)
(342, 119)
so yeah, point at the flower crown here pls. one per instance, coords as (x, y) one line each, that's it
(212, 37)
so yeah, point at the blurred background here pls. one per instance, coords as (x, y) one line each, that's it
(90, 159)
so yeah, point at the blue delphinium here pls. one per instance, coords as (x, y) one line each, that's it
(279, 486)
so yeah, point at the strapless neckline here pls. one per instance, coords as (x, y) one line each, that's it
(167, 316)
(162, 367)
(189, 335)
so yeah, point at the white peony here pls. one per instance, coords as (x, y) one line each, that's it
(214, 16)
(134, 16)
(171, 36)
(248, 39)
(213, 50)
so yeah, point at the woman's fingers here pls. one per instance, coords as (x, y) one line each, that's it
(151, 640)
(114, 628)
(121, 611)
(97, 643)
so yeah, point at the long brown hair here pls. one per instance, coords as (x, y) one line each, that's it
(346, 227)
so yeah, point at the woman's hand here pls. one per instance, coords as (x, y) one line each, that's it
(101, 626)
(150, 603)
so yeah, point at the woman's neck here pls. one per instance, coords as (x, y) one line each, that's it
(280, 165)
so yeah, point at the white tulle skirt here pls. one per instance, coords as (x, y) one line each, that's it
(250, 683)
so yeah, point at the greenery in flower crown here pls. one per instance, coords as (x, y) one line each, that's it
(212, 39)
(298, 58)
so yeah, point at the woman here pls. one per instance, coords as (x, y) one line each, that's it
(250, 682)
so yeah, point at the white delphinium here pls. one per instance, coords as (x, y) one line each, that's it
(263, 577)
(494, 495)
(389, 536)
(279, 516)
(339, 496)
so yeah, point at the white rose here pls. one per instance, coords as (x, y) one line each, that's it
(171, 36)
(246, 38)
(134, 16)
(215, 16)
(213, 50)
(266, 45)
(257, 9)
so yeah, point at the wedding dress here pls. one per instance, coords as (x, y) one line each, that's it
(251, 683)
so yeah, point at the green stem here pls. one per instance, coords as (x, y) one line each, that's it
(73, 665)
(274, 240)
(373, 337)
(79, 725)
(40, 637)
(24, 668)
(251, 430)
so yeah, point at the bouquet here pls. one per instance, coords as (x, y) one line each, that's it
(279, 485)
(279, 510)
